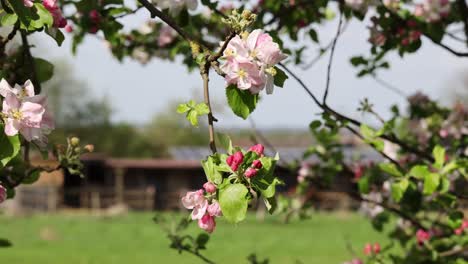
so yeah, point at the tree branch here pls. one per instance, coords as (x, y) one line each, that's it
(204, 71)
(332, 53)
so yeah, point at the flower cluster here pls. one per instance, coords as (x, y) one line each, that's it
(3, 194)
(235, 160)
(175, 6)
(463, 227)
(25, 113)
(54, 9)
(204, 208)
(370, 249)
(433, 10)
(95, 19)
(250, 61)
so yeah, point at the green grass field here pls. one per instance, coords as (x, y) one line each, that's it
(136, 239)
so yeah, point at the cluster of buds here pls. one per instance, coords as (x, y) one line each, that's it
(239, 21)
(410, 35)
(463, 227)
(370, 249)
(235, 161)
(53, 8)
(69, 156)
(204, 207)
(95, 20)
(422, 236)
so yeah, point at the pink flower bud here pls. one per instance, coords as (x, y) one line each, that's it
(368, 249)
(235, 160)
(93, 29)
(257, 164)
(259, 148)
(207, 223)
(443, 133)
(214, 209)
(464, 224)
(405, 42)
(95, 16)
(209, 187)
(3, 194)
(69, 29)
(458, 231)
(356, 261)
(422, 236)
(376, 248)
(28, 3)
(250, 172)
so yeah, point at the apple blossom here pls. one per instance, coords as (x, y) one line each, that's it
(258, 148)
(28, 3)
(207, 223)
(357, 5)
(250, 172)
(209, 187)
(367, 249)
(376, 248)
(3, 194)
(422, 236)
(235, 160)
(196, 201)
(257, 164)
(54, 9)
(175, 6)
(432, 10)
(166, 36)
(214, 209)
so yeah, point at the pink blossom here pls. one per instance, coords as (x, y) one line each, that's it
(196, 201)
(245, 74)
(207, 223)
(235, 160)
(69, 29)
(214, 209)
(422, 236)
(95, 16)
(236, 47)
(433, 10)
(356, 261)
(28, 3)
(367, 249)
(250, 172)
(209, 187)
(257, 164)
(258, 148)
(262, 46)
(376, 248)
(3, 194)
(166, 36)
(53, 8)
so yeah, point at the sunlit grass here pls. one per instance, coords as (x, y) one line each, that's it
(134, 238)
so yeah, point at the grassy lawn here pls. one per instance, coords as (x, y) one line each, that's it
(136, 239)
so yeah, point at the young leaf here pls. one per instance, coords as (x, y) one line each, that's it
(44, 70)
(280, 77)
(10, 147)
(399, 189)
(431, 182)
(242, 102)
(419, 171)
(391, 169)
(233, 202)
(439, 156)
(183, 108)
(212, 174)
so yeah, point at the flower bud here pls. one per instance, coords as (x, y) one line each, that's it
(235, 160)
(207, 223)
(250, 172)
(376, 248)
(94, 16)
(74, 141)
(368, 249)
(209, 187)
(257, 164)
(3, 194)
(69, 29)
(259, 148)
(422, 236)
(89, 148)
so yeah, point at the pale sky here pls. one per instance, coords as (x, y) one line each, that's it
(137, 91)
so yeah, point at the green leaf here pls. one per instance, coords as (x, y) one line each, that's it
(363, 185)
(192, 117)
(233, 202)
(44, 69)
(202, 109)
(8, 19)
(10, 147)
(280, 77)
(399, 189)
(439, 156)
(391, 169)
(45, 17)
(242, 102)
(224, 141)
(182, 108)
(58, 36)
(270, 204)
(212, 174)
(419, 171)
(431, 182)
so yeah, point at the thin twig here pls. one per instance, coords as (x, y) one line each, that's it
(330, 62)
(388, 85)
(205, 70)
